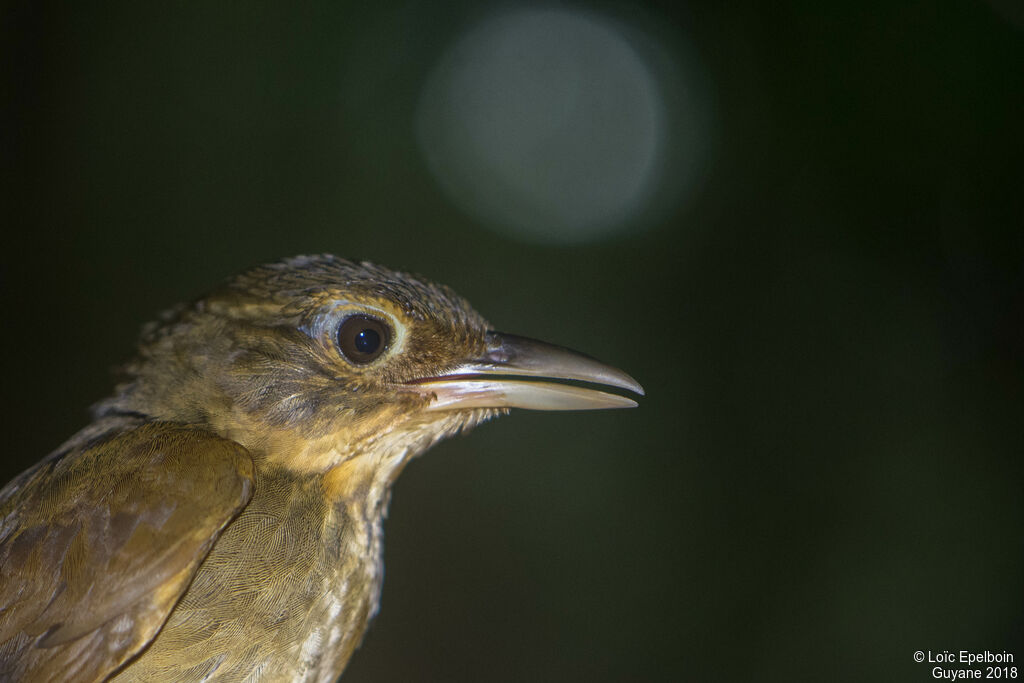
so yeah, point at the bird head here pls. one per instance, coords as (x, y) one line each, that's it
(316, 360)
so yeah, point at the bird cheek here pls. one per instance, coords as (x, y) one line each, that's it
(413, 401)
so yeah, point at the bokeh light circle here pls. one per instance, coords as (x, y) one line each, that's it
(545, 124)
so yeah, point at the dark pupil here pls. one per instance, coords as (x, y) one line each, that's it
(367, 341)
(362, 338)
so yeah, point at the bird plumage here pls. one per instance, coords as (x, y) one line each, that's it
(90, 565)
(221, 517)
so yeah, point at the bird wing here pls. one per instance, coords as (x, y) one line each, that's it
(97, 547)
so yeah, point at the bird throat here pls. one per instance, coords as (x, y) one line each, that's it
(313, 531)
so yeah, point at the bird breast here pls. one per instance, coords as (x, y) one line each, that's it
(284, 595)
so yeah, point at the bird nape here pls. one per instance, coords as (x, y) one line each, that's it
(220, 517)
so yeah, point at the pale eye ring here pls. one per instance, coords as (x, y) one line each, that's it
(362, 338)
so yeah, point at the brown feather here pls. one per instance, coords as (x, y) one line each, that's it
(221, 518)
(91, 566)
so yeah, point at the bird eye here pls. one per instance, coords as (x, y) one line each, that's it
(362, 338)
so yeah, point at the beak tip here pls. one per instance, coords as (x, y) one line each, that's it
(624, 381)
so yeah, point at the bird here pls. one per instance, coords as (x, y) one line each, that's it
(220, 518)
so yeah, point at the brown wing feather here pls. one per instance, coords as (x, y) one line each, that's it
(98, 546)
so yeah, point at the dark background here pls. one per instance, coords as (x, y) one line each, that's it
(826, 473)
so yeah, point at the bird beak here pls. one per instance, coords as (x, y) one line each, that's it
(499, 379)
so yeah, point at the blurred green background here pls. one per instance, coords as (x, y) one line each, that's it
(823, 296)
